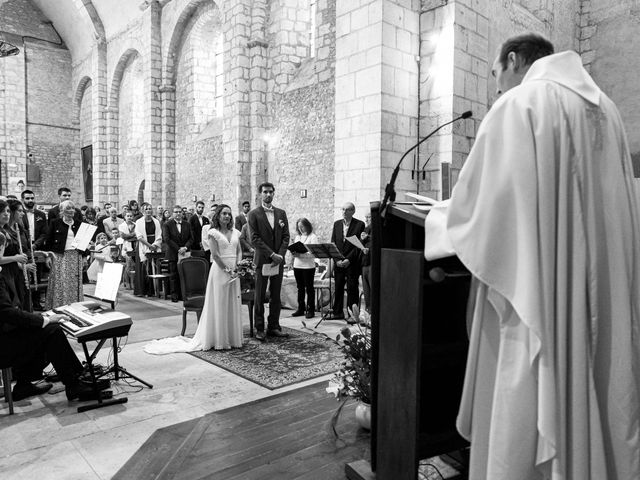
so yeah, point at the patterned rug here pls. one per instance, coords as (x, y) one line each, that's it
(279, 361)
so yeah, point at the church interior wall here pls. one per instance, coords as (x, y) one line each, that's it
(611, 43)
(38, 80)
(85, 117)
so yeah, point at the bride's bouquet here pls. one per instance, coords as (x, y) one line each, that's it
(245, 270)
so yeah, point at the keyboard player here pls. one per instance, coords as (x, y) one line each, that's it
(29, 341)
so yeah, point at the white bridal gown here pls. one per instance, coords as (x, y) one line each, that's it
(220, 324)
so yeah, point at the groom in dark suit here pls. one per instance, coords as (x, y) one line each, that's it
(347, 270)
(269, 233)
(176, 233)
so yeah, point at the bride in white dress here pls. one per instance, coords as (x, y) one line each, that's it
(220, 324)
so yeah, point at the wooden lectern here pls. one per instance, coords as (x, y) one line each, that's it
(419, 341)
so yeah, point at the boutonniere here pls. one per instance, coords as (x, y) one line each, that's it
(281, 222)
(39, 219)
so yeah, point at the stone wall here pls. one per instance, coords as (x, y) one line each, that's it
(36, 94)
(610, 44)
(304, 156)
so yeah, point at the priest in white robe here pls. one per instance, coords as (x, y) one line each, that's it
(545, 216)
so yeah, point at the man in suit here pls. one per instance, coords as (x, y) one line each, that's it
(35, 221)
(108, 224)
(346, 270)
(241, 218)
(197, 221)
(176, 233)
(63, 194)
(269, 230)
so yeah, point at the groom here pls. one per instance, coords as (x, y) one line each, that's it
(269, 233)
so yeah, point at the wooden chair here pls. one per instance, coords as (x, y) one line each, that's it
(6, 382)
(159, 273)
(248, 293)
(193, 273)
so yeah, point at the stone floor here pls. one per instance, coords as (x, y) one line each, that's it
(48, 439)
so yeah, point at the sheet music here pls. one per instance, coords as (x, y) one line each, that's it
(108, 282)
(83, 236)
(355, 241)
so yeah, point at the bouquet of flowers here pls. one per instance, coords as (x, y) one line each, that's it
(354, 377)
(246, 271)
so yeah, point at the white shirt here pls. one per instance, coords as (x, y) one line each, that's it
(70, 238)
(32, 225)
(345, 228)
(270, 215)
(305, 260)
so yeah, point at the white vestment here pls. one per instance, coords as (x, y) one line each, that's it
(545, 216)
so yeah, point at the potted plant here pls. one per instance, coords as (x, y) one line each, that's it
(353, 379)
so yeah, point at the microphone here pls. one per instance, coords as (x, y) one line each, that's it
(389, 191)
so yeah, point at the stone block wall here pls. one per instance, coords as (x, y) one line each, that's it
(609, 45)
(85, 117)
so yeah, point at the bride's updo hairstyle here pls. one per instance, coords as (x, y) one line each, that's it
(215, 220)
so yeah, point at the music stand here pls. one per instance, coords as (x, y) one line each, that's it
(330, 251)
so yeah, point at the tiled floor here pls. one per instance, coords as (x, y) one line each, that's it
(48, 439)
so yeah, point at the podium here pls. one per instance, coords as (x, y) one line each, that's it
(419, 341)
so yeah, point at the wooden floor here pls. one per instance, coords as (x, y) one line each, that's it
(286, 436)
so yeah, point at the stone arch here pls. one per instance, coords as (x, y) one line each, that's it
(79, 94)
(126, 59)
(180, 32)
(96, 21)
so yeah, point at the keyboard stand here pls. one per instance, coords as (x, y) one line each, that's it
(116, 369)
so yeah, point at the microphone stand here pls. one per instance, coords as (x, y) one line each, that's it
(389, 191)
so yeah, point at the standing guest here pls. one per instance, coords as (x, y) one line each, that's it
(130, 247)
(65, 280)
(159, 211)
(13, 262)
(212, 210)
(346, 270)
(125, 209)
(545, 216)
(270, 237)
(101, 255)
(34, 220)
(149, 234)
(177, 236)
(365, 237)
(104, 212)
(137, 214)
(220, 325)
(245, 242)
(241, 219)
(111, 222)
(64, 193)
(197, 221)
(166, 216)
(304, 269)
(83, 210)
(29, 342)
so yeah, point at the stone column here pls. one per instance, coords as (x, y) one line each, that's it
(152, 68)
(376, 96)
(168, 95)
(105, 178)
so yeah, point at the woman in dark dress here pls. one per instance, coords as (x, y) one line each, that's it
(13, 261)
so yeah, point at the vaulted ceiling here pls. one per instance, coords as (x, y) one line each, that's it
(81, 23)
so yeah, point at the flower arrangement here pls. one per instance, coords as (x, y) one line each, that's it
(353, 380)
(246, 271)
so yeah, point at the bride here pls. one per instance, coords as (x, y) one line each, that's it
(220, 324)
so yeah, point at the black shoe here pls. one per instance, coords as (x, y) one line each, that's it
(261, 336)
(174, 298)
(310, 314)
(26, 390)
(336, 316)
(298, 313)
(53, 378)
(277, 333)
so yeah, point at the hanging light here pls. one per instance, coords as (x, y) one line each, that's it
(7, 49)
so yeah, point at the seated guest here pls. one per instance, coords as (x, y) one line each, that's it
(304, 269)
(65, 280)
(29, 342)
